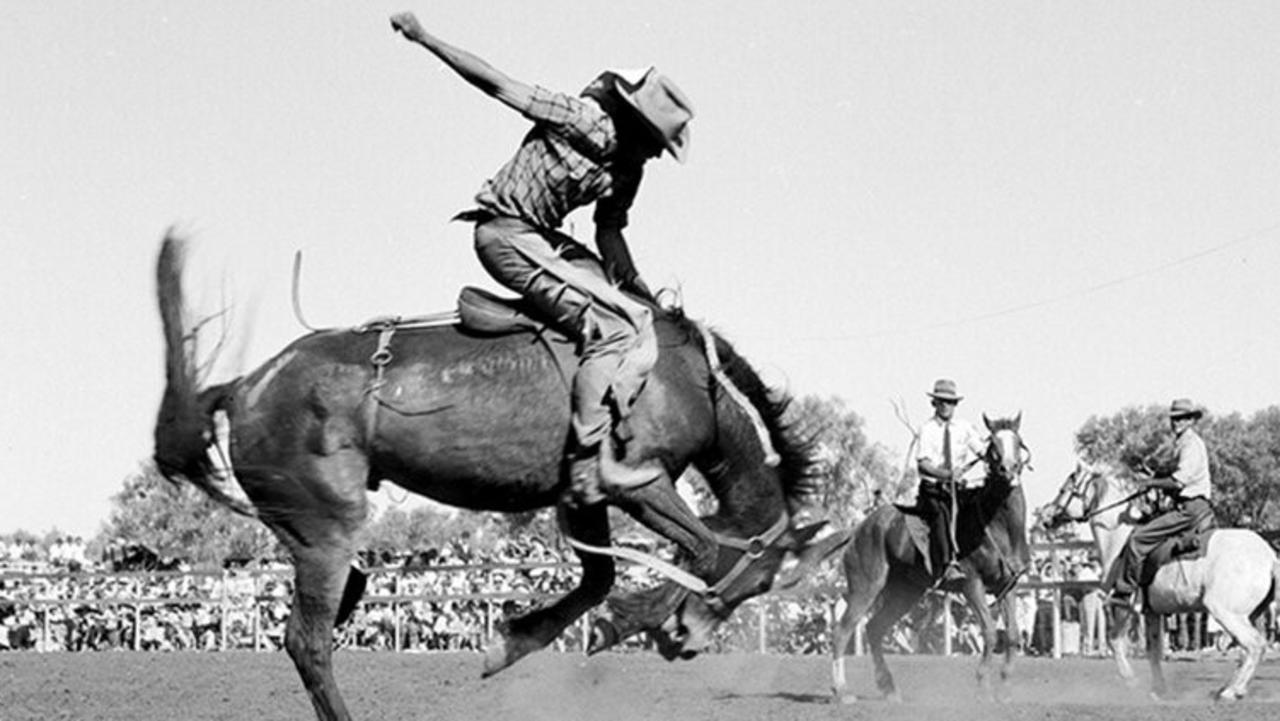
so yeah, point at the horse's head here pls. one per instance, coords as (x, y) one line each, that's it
(1079, 489)
(1006, 454)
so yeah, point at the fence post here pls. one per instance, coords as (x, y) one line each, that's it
(137, 626)
(1057, 622)
(44, 631)
(222, 611)
(585, 622)
(395, 614)
(763, 633)
(947, 624)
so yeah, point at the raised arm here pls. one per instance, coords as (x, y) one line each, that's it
(472, 68)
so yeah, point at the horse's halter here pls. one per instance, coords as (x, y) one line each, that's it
(752, 549)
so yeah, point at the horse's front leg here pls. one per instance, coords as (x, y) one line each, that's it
(1012, 633)
(532, 630)
(660, 508)
(976, 594)
(1121, 618)
(1155, 653)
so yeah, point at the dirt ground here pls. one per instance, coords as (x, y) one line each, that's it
(618, 687)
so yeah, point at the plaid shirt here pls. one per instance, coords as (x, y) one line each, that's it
(565, 162)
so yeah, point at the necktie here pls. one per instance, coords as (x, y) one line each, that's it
(946, 446)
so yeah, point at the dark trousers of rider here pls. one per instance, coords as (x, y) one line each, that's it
(566, 282)
(935, 500)
(1189, 514)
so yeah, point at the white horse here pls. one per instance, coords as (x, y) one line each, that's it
(1234, 580)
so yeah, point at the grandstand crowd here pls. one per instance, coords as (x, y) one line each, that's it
(54, 598)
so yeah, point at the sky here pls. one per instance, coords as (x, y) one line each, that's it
(1068, 208)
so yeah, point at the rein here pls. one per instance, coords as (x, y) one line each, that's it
(1090, 515)
(752, 548)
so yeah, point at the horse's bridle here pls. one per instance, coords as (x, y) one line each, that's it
(752, 548)
(1078, 484)
(998, 468)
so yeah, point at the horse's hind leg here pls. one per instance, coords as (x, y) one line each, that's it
(533, 630)
(898, 597)
(317, 516)
(1250, 639)
(865, 573)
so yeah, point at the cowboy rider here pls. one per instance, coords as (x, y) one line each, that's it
(949, 449)
(580, 150)
(1190, 485)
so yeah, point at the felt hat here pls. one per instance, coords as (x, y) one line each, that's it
(665, 109)
(944, 389)
(1184, 408)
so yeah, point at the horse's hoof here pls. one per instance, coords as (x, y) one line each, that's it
(603, 635)
(503, 652)
(495, 657)
(893, 697)
(1226, 694)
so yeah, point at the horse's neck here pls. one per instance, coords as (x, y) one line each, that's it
(1109, 533)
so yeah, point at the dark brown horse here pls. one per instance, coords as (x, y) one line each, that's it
(886, 562)
(479, 420)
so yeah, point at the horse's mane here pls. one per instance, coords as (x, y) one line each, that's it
(797, 465)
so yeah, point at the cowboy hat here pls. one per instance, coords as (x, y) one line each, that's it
(665, 109)
(1184, 408)
(944, 389)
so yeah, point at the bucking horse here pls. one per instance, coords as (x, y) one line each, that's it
(473, 411)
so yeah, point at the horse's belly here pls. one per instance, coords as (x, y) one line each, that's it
(1178, 586)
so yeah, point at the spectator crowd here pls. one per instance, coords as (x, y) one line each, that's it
(449, 598)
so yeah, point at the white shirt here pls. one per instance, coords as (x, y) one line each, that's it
(967, 445)
(1193, 466)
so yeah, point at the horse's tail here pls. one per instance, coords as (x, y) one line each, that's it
(184, 426)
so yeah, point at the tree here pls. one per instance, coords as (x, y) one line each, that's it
(853, 469)
(180, 522)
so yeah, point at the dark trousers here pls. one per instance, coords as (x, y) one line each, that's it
(934, 499)
(1186, 516)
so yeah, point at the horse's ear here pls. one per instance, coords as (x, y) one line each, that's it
(1017, 422)
(986, 421)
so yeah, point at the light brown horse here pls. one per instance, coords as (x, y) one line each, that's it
(478, 420)
(1234, 580)
(886, 565)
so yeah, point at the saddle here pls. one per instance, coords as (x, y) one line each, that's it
(484, 312)
(1185, 547)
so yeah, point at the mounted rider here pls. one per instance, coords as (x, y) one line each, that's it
(949, 449)
(581, 150)
(1190, 486)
